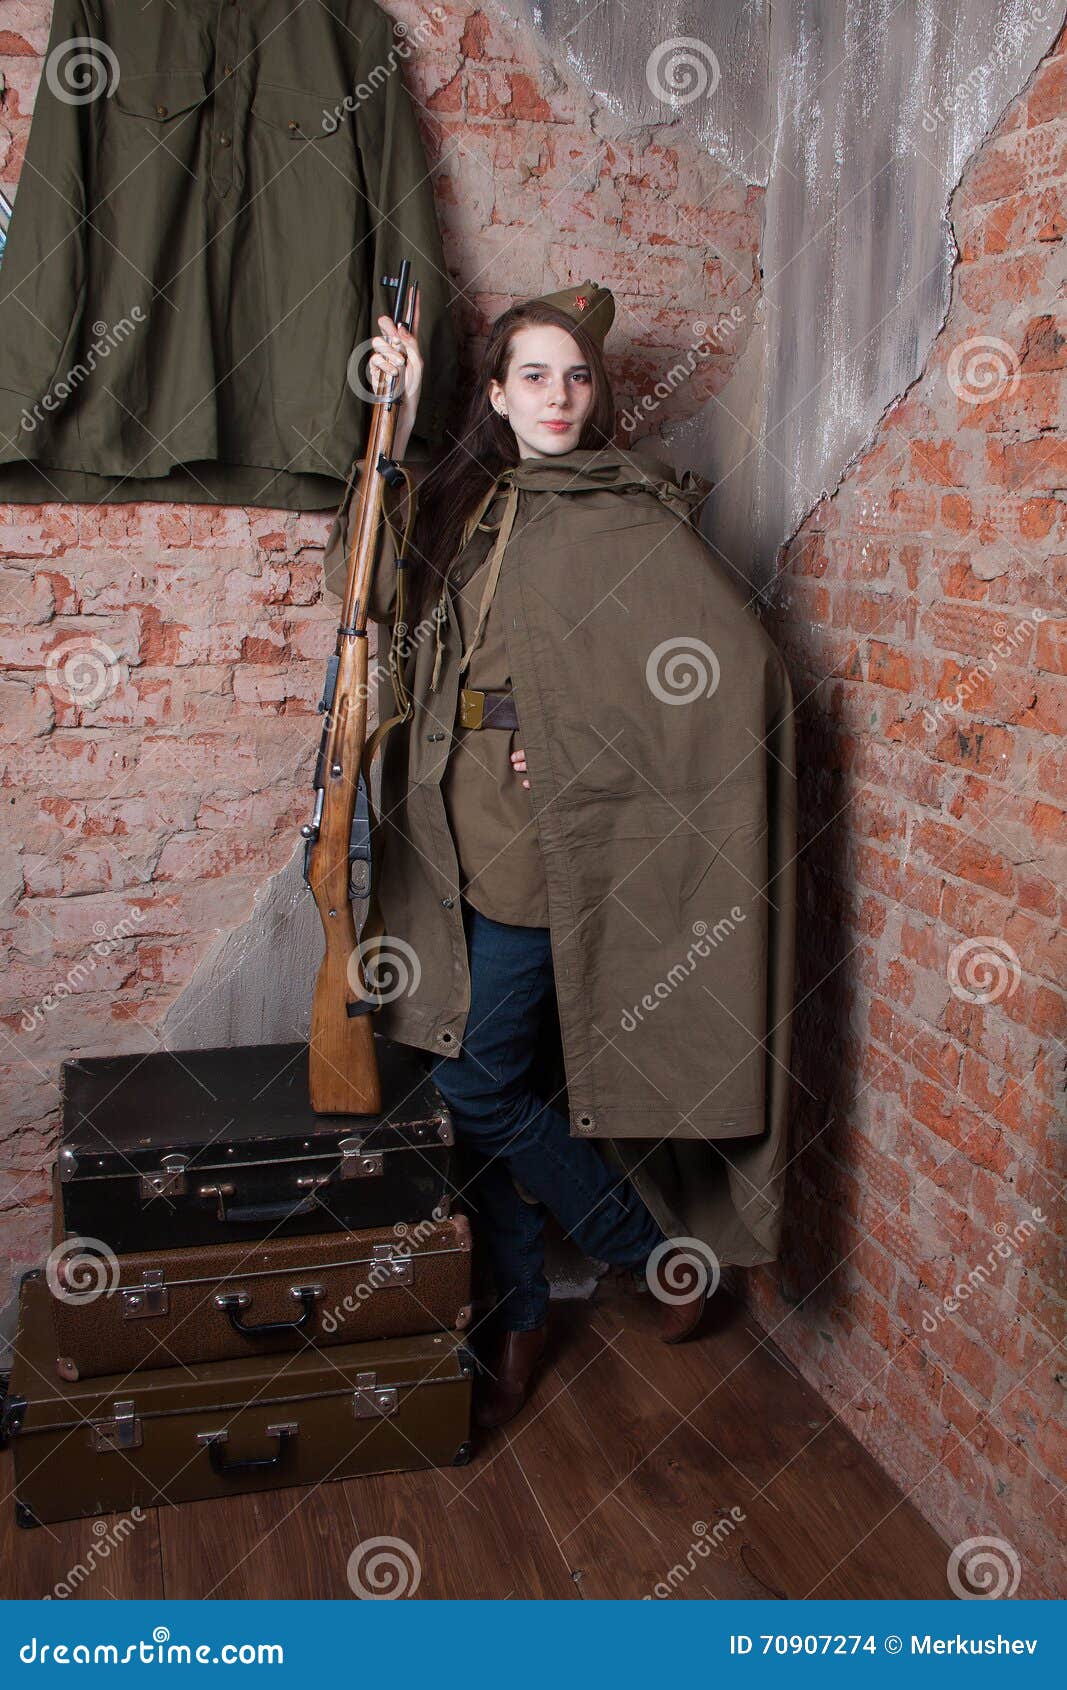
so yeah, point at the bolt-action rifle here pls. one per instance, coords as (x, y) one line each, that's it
(343, 1068)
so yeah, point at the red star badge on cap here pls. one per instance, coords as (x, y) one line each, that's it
(580, 302)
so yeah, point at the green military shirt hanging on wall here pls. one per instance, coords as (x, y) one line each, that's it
(210, 197)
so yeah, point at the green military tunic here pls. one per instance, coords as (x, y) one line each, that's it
(210, 198)
(490, 812)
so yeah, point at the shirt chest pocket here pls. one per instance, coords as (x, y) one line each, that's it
(307, 135)
(157, 117)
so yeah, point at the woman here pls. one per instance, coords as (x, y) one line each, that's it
(542, 403)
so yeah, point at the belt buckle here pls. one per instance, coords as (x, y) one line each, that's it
(471, 707)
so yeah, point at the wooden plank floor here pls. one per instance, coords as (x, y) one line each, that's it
(627, 1457)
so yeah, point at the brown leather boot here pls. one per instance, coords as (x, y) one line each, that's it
(505, 1394)
(679, 1319)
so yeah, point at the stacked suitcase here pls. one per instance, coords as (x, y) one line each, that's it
(241, 1294)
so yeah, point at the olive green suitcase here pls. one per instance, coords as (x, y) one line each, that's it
(174, 1434)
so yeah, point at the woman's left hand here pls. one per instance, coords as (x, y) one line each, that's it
(397, 350)
(518, 763)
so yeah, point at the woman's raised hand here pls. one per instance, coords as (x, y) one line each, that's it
(518, 763)
(397, 348)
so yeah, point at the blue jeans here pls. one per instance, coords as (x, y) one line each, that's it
(509, 1131)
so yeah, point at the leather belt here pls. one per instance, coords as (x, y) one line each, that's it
(486, 709)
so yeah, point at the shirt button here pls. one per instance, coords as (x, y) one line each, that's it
(161, 111)
(435, 736)
(293, 124)
(448, 902)
(227, 70)
(224, 140)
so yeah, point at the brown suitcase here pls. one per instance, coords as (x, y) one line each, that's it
(163, 1308)
(175, 1434)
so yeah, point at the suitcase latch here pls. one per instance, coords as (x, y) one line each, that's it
(397, 1268)
(151, 1297)
(170, 1181)
(123, 1431)
(370, 1400)
(357, 1163)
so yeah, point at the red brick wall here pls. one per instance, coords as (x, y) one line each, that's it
(926, 1121)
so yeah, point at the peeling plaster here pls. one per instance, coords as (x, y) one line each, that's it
(859, 119)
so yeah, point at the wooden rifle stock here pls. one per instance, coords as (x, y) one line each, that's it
(343, 1068)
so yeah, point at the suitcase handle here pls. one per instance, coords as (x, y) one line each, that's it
(234, 1300)
(256, 1212)
(257, 1463)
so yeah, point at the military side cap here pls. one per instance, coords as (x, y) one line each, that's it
(588, 303)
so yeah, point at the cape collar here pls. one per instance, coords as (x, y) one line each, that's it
(569, 472)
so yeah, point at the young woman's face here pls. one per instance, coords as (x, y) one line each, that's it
(548, 383)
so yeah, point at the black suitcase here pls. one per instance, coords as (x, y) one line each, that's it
(218, 1146)
(105, 1445)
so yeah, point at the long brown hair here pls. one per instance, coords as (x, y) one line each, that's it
(484, 444)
